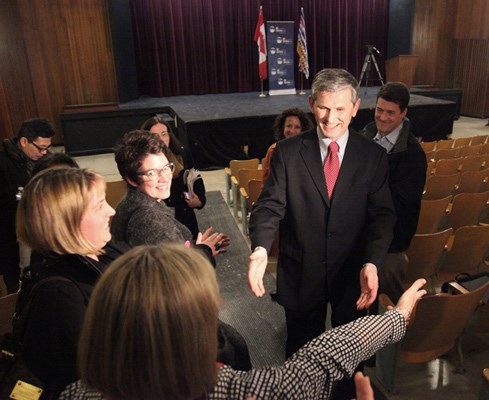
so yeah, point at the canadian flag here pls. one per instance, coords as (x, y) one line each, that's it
(262, 47)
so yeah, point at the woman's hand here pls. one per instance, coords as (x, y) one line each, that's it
(216, 241)
(409, 298)
(193, 200)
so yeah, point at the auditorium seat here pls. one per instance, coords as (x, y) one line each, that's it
(232, 170)
(465, 252)
(115, 192)
(471, 150)
(443, 154)
(462, 142)
(466, 209)
(480, 139)
(424, 254)
(428, 146)
(448, 166)
(431, 214)
(444, 144)
(472, 163)
(249, 195)
(473, 181)
(435, 326)
(440, 186)
(241, 181)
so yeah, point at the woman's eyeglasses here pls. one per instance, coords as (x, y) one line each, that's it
(154, 174)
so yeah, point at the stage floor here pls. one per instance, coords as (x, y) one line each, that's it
(217, 127)
(211, 107)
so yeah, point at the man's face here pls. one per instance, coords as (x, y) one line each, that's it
(388, 116)
(333, 112)
(35, 149)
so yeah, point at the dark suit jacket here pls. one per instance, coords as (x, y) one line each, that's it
(407, 176)
(323, 243)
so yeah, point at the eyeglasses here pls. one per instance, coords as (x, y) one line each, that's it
(154, 174)
(41, 149)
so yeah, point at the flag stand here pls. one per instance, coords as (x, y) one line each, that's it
(262, 94)
(302, 93)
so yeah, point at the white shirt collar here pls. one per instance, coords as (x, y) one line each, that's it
(388, 141)
(324, 144)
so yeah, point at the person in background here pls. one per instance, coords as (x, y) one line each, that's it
(291, 122)
(54, 160)
(170, 300)
(407, 175)
(17, 159)
(63, 216)
(182, 199)
(329, 196)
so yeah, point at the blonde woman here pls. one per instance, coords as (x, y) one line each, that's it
(150, 334)
(63, 216)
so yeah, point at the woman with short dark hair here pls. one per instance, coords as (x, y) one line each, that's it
(185, 196)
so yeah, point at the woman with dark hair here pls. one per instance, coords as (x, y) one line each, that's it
(184, 198)
(142, 215)
(163, 347)
(291, 122)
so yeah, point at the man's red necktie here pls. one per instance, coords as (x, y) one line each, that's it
(331, 167)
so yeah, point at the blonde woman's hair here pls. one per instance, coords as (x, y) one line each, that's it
(51, 209)
(150, 331)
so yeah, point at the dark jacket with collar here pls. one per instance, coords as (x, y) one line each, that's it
(55, 315)
(407, 175)
(15, 171)
(324, 242)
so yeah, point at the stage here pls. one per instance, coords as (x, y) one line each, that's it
(217, 127)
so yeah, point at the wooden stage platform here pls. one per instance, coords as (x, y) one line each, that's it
(216, 127)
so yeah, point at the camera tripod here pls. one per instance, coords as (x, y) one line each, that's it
(369, 58)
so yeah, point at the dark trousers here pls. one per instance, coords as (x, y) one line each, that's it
(303, 326)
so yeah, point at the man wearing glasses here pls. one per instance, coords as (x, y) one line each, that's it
(17, 158)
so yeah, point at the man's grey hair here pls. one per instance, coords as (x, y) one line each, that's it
(333, 80)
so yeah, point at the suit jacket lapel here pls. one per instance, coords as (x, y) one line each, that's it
(349, 165)
(311, 157)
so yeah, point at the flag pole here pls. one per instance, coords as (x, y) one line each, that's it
(302, 93)
(262, 94)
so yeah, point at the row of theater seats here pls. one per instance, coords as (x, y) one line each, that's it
(450, 239)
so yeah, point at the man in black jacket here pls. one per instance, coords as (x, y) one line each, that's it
(17, 159)
(407, 173)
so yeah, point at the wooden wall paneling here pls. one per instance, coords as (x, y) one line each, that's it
(472, 17)
(432, 31)
(70, 55)
(17, 102)
(471, 73)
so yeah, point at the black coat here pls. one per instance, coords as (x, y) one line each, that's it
(56, 314)
(407, 176)
(15, 171)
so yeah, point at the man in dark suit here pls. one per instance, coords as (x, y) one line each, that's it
(330, 245)
(407, 174)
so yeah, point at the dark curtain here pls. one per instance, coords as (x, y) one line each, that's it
(186, 47)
